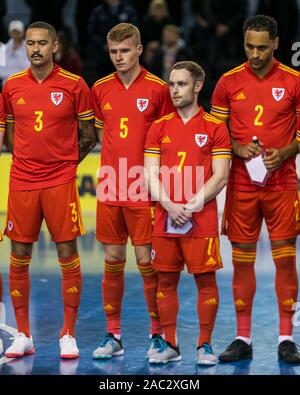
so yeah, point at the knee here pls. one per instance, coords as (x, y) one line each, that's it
(244, 246)
(67, 249)
(21, 249)
(143, 253)
(168, 281)
(114, 253)
(206, 281)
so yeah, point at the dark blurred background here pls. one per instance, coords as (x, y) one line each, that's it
(207, 31)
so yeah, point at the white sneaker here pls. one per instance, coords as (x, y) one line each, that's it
(20, 346)
(205, 355)
(156, 343)
(109, 347)
(68, 347)
(166, 354)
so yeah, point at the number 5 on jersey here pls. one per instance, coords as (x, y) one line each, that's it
(124, 128)
(38, 127)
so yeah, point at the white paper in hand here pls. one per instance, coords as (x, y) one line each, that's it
(179, 231)
(257, 170)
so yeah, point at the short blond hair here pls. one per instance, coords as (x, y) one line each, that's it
(122, 31)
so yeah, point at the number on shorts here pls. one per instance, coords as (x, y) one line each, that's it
(74, 212)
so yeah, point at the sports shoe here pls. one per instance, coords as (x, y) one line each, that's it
(109, 347)
(236, 351)
(288, 351)
(167, 353)
(205, 355)
(156, 343)
(20, 346)
(68, 347)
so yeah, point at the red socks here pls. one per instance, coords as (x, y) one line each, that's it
(167, 301)
(112, 292)
(244, 286)
(150, 280)
(19, 284)
(208, 301)
(286, 285)
(71, 291)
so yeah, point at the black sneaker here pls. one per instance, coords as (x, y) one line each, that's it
(288, 351)
(236, 351)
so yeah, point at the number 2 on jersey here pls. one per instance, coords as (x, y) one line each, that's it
(124, 128)
(260, 110)
(38, 127)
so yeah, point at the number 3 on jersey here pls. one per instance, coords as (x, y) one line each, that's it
(124, 128)
(38, 127)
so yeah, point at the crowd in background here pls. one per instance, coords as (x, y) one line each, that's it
(207, 31)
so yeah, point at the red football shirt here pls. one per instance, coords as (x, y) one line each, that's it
(265, 108)
(125, 116)
(2, 115)
(45, 117)
(185, 148)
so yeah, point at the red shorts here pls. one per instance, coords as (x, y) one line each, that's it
(59, 206)
(244, 212)
(116, 223)
(200, 254)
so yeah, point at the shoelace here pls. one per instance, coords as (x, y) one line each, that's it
(107, 340)
(158, 343)
(68, 338)
(163, 346)
(18, 336)
(207, 348)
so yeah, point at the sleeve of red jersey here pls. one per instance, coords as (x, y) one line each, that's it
(297, 105)
(8, 111)
(165, 105)
(2, 115)
(222, 146)
(83, 105)
(99, 123)
(152, 144)
(220, 100)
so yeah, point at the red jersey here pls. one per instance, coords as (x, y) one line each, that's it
(125, 116)
(2, 115)
(45, 117)
(186, 148)
(265, 108)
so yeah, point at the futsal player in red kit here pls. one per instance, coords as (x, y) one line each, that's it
(126, 102)
(50, 120)
(261, 98)
(185, 142)
(2, 131)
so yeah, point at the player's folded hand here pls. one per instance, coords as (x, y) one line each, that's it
(178, 214)
(246, 151)
(273, 159)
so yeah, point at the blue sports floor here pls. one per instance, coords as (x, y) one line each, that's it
(46, 319)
